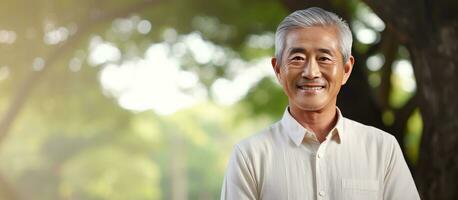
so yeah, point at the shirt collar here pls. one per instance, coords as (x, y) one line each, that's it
(297, 132)
(339, 127)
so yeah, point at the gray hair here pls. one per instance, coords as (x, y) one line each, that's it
(313, 16)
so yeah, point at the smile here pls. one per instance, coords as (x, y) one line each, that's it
(311, 87)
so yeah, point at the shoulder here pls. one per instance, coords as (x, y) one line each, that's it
(370, 135)
(261, 142)
(376, 145)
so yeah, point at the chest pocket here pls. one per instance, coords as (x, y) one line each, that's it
(360, 189)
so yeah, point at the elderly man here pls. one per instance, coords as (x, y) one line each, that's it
(314, 152)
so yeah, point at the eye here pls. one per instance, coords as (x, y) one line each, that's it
(297, 58)
(323, 58)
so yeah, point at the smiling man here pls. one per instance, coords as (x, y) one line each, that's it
(314, 152)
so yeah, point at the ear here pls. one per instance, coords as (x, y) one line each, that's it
(348, 67)
(276, 68)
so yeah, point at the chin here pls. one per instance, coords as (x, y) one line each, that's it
(309, 105)
(309, 102)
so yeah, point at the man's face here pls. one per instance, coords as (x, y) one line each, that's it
(312, 70)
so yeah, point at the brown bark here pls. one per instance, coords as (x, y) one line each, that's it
(356, 99)
(389, 47)
(437, 172)
(431, 34)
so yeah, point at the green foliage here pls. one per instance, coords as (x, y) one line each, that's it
(103, 172)
(73, 140)
(266, 98)
(412, 140)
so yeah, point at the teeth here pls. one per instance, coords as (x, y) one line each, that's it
(311, 88)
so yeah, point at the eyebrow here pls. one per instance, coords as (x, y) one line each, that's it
(294, 50)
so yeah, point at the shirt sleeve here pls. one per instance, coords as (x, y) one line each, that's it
(398, 182)
(239, 182)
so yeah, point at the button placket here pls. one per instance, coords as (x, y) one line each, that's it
(322, 193)
(321, 170)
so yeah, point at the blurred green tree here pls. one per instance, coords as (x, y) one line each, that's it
(73, 133)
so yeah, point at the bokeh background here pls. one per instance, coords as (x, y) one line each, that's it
(144, 99)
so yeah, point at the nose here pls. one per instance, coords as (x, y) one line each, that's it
(311, 70)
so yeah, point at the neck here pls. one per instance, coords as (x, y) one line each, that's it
(318, 121)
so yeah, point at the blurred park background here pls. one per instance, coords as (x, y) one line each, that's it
(144, 99)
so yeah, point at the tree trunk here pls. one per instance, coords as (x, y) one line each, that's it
(178, 168)
(436, 72)
(430, 31)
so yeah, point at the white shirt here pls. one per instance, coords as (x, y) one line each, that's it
(286, 162)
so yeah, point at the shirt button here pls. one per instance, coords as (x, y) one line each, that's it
(322, 193)
(319, 155)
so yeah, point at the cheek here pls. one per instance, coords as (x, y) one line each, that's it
(291, 74)
(288, 79)
(333, 71)
(335, 74)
